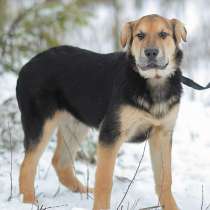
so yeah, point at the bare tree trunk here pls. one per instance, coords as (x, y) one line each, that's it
(116, 26)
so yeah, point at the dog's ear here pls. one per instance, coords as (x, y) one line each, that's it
(179, 30)
(126, 34)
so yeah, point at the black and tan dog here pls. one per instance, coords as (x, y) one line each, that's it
(126, 95)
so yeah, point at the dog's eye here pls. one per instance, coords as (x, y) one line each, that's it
(163, 34)
(141, 35)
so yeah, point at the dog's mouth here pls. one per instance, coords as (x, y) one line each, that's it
(153, 65)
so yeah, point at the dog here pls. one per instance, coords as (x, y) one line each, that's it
(130, 95)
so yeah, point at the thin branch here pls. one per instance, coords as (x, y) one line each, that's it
(137, 169)
(207, 207)
(202, 198)
(11, 166)
(50, 207)
(9, 34)
(57, 191)
(152, 207)
(88, 177)
(135, 204)
(46, 174)
(128, 206)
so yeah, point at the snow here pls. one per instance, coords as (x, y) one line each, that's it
(7, 86)
(191, 171)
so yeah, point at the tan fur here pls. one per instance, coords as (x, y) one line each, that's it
(70, 135)
(161, 109)
(104, 173)
(151, 26)
(29, 164)
(126, 34)
(130, 115)
(141, 102)
(73, 133)
(64, 166)
(160, 149)
(133, 120)
(152, 39)
(180, 30)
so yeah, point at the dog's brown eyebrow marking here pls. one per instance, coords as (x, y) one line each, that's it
(152, 18)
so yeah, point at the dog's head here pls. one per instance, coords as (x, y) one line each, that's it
(153, 41)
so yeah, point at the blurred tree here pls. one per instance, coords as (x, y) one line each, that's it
(116, 30)
(3, 5)
(37, 27)
(175, 5)
(139, 4)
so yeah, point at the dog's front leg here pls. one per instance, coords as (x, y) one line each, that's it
(106, 157)
(160, 149)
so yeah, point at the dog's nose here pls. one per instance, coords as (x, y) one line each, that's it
(151, 53)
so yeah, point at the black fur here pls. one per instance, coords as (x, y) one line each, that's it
(89, 85)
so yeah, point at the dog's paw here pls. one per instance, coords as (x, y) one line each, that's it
(28, 198)
(77, 186)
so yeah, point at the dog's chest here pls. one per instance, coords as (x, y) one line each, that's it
(158, 100)
(159, 108)
(135, 122)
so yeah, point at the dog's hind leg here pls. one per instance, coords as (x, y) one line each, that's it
(31, 159)
(70, 134)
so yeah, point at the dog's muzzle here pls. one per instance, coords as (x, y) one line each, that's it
(153, 65)
(146, 64)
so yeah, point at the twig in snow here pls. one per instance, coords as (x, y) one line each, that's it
(135, 204)
(89, 196)
(46, 173)
(57, 191)
(128, 206)
(152, 207)
(50, 207)
(11, 167)
(88, 176)
(137, 169)
(207, 207)
(122, 179)
(202, 199)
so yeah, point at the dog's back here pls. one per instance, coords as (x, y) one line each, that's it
(66, 78)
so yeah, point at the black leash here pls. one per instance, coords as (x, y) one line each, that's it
(193, 84)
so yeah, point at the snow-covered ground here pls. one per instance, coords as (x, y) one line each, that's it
(191, 170)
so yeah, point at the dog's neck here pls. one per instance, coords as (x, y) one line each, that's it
(157, 95)
(161, 96)
(158, 88)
